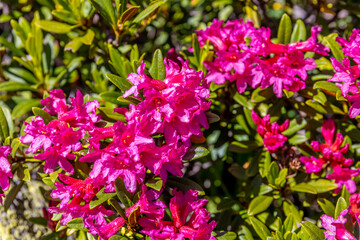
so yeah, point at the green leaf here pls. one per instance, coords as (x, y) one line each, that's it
(195, 152)
(43, 114)
(109, 115)
(299, 32)
(273, 172)
(328, 86)
(11, 195)
(295, 125)
(196, 48)
(155, 183)
(26, 75)
(327, 206)
(118, 62)
(335, 47)
(120, 82)
(122, 193)
(227, 236)
(147, 11)
(341, 205)
(304, 187)
(212, 117)
(55, 27)
(313, 231)
(106, 10)
(111, 96)
(260, 228)
(15, 86)
(128, 14)
(76, 223)
(242, 100)
(117, 207)
(25, 107)
(39, 221)
(323, 185)
(297, 139)
(243, 146)
(290, 223)
(102, 197)
(4, 127)
(284, 31)
(184, 184)
(259, 204)
(157, 69)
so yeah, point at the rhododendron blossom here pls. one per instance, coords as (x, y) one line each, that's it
(247, 56)
(190, 220)
(335, 229)
(270, 132)
(5, 169)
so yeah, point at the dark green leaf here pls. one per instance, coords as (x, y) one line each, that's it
(284, 31)
(340, 206)
(76, 223)
(109, 115)
(4, 127)
(106, 10)
(334, 46)
(304, 187)
(55, 27)
(327, 206)
(195, 152)
(120, 82)
(313, 231)
(147, 11)
(11, 195)
(43, 114)
(243, 146)
(157, 69)
(155, 183)
(259, 204)
(184, 184)
(15, 86)
(122, 193)
(261, 230)
(128, 14)
(299, 32)
(101, 197)
(323, 185)
(25, 107)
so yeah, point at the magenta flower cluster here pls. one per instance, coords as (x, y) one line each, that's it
(270, 132)
(331, 154)
(346, 75)
(247, 56)
(173, 110)
(5, 170)
(346, 224)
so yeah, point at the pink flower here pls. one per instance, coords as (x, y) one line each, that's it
(335, 229)
(351, 47)
(5, 168)
(109, 167)
(107, 230)
(189, 220)
(55, 103)
(354, 208)
(78, 190)
(40, 136)
(343, 176)
(331, 150)
(270, 132)
(345, 75)
(148, 204)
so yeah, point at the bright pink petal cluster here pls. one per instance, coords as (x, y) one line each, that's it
(332, 155)
(173, 110)
(189, 219)
(346, 75)
(270, 132)
(5, 168)
(335, 228)
(247, 56)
